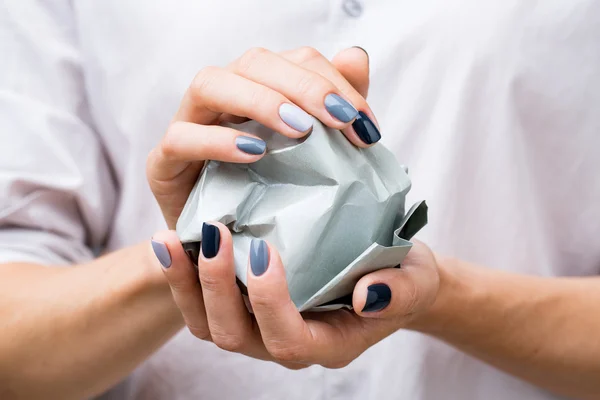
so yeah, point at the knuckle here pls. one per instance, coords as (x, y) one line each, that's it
(203, 82)
(258, 98)
(212, 281)
(260, 300)
(182, 285)
(312, 84)
(229, 342)
(286, 352)
(168, 145)
(249, 59)
(307, 53)
(201, 333)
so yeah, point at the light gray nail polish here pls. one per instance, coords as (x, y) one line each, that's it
(250, 145)
(340, 108)
(295, 117)
(259, 257)
(162, 253)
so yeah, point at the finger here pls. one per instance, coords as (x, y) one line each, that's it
(353, 65)
(286, 335)
(189, 142)
(180, 155)
(348, 70)
(284, 332)
(229, 321)
(308, 89)
(215, 91)
(182, 278)
(364, 131)
(398, 292)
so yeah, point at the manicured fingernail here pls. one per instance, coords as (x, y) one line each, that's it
(295, 117)
(378, 297)
(250, 145)
(366, 129)
(211, 240)
(162, 253)
(340, 108)
(259, 257)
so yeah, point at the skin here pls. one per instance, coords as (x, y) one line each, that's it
(76, 331)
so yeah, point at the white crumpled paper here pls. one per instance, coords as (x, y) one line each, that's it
(334, 212)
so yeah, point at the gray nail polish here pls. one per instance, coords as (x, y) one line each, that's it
(295, 117)
(162, 253)
(340, 108)
(250, 145)
(259, 257)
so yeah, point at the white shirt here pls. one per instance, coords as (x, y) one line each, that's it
(494, 106)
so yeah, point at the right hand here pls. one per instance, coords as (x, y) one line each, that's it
(256, 86)
(213, 308)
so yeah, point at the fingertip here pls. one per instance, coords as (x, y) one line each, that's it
(298, 121)
(353, 64)
(163, 245)
(161, 253)
(355, 57)
(364, 131)
(251, 145)
(268, 294)
(168, 250)
(265, 266)
(211, 240)
(376, 298)
(397, 292)
(259, 257)
(216, 241)
(373, 293)
(340, 108)
(362, 49)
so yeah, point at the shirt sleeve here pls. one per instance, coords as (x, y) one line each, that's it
(57, 190)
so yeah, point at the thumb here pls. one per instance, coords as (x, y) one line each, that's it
(399, 292)
(353, 63)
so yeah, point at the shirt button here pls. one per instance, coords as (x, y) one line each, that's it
(353, 8)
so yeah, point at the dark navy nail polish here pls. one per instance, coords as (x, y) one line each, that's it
(162, 253)
(379, 296)
(259, 257)
(250, 145)
(211, 240)
(339, 108)
(366, 129)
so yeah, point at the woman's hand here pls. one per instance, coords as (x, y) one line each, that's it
(214, 309)
(281, 91)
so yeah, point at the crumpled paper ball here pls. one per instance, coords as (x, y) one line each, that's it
(335, 212)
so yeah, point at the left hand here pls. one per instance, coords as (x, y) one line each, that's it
(384, 301)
